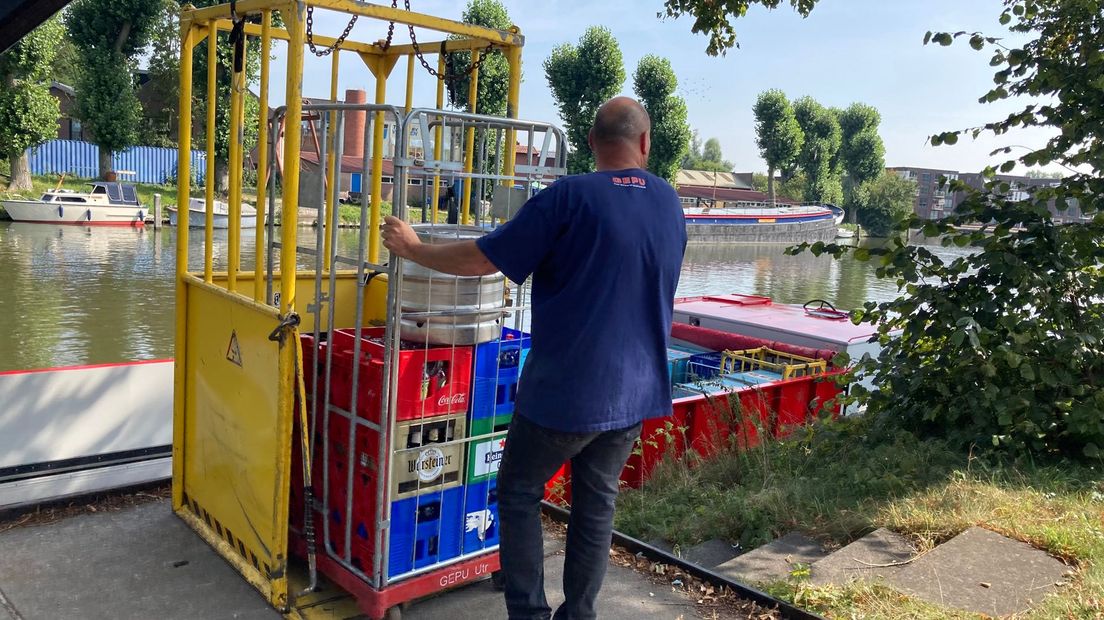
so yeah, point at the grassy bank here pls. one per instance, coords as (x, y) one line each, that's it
(839, 481)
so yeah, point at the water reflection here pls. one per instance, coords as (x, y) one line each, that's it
(75, 295)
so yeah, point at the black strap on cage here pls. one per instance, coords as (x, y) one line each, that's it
(237, 37)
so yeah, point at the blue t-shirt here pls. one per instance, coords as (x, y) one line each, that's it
(605, 250)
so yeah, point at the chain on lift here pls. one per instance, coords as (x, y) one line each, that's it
(447, 76)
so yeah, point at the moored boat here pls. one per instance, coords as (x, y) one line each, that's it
(756, 222)
(105, 204)
(197, 214)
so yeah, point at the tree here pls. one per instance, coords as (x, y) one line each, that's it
(494, 71)
(28, 113)
(819, 156)
(695, 158)
(883, 202)
(862, 153)
(778, 134)
(162, 106)
(109, 35)
(582, 77)
(712, 151)
(792, 189)
(655, 82)
(714, 18)
(1001, 346)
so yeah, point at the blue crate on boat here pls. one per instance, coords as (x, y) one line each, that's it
(481, 516)
(495, 377)
(425, 530)
(677, 361)
(703, 366)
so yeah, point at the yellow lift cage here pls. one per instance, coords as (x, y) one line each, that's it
(235, 357)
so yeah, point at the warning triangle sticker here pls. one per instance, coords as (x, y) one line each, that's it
(233, 351)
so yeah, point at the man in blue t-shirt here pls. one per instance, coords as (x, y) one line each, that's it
(604, 251)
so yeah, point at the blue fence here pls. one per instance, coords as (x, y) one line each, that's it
(82, 159)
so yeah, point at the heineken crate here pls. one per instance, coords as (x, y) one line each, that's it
(485, 455)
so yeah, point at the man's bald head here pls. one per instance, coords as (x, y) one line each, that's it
(621, 133)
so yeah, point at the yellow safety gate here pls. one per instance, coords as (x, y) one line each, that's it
(235, 355)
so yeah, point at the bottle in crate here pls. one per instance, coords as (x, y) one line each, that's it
(496, 373)
(433, 380)
(425, 530)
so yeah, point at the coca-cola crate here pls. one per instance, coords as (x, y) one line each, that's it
(432, 381)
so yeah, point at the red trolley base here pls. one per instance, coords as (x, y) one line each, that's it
(381, 604)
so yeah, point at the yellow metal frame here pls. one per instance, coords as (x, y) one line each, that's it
(788, 365)
(234, 393)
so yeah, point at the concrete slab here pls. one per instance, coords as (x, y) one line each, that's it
(142, 562)
(773, 561)
(983, 572)
(710, 553)
(854, 561)
(626, 595)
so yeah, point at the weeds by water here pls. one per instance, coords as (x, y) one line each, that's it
(838, 481)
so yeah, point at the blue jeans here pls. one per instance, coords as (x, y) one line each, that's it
(532, 454)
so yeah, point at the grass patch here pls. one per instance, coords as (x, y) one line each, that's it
(838, 481)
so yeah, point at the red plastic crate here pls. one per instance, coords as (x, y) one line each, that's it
(433, 380)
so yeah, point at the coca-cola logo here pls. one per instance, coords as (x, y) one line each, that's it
(453, 399)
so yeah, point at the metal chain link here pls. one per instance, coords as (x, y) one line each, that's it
(447, 77)
(329, 50)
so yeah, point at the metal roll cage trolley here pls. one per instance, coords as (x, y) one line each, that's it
(371, 413)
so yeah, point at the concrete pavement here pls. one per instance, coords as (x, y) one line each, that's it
(143, 562)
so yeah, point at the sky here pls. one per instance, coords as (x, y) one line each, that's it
(869, 51)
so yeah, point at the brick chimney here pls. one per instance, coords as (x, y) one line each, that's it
(354, 124)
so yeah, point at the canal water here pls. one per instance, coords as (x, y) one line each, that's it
(72, 295)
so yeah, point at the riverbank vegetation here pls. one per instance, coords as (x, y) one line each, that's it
(837, 481)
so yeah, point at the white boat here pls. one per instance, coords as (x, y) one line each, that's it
(197, 214)
(105, 204)
(844, 233)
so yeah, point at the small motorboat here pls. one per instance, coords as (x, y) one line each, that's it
(197, 214)
(104, 204)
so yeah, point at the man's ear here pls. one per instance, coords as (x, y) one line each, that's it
(590, 139)
(645, 144)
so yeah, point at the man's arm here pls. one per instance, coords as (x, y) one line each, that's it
(462, 258)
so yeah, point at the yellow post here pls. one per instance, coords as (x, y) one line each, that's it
(409, 82)
(380, 66)
(233, 237)
(332, 168)
(262, 157)
(438, 138)
(183, 191)
(209, 206)
(513, 58)
(469, 142)
(294, 23)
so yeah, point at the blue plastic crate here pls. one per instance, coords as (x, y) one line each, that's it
(426, 530)
(497, 369)
(703, 366)
(481, 516)
(677, 362)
